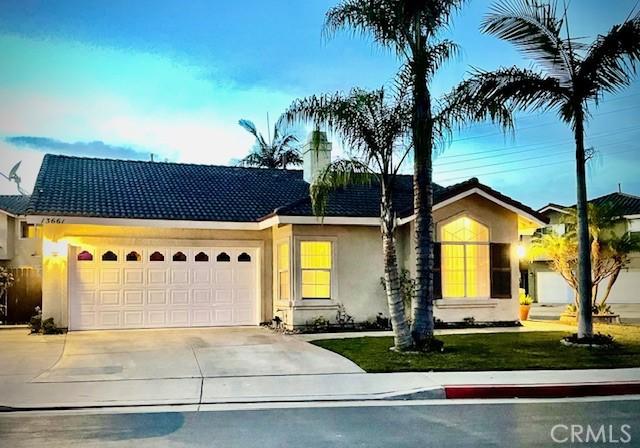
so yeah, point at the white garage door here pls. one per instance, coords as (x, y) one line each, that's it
(154, 287)
(551, 288)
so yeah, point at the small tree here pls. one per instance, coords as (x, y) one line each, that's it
(609, 253)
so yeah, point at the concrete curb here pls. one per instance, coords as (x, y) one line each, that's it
(484, 391)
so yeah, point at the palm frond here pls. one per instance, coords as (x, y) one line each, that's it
(534, 28)
(461, 106)
(338, 174)
(611, 61)
(518, 89)
(250, 127)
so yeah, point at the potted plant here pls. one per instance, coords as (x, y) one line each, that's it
(525, 305)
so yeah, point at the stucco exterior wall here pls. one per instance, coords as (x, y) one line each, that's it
(358, 266)
(55, 276)
(27, 251)
(503, 228)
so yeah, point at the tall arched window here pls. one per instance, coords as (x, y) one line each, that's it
(465, 259)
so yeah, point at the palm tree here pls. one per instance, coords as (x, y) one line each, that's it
(574, 76)
(372, 127)
(410, 28)
(376, 130)
(280, 152)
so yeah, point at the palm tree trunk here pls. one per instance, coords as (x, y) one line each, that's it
(585, 325)
(401, 334)
(422, 126)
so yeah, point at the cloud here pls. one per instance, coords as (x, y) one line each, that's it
(88, 149)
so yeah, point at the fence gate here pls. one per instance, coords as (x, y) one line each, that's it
(24, 295)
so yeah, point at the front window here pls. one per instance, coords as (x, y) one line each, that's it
(28, 231)
(465, 259)
(315, 263)
(284, 279)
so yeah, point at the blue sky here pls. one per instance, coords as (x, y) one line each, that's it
(125, 79)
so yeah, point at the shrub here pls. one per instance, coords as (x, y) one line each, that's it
(49, 327)
(35, 323)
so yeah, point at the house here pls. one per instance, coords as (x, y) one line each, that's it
(131, 244)
(548, 287)
(19, 241)
(20, 251)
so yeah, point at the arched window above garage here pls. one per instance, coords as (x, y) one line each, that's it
(85, 256)
(156, 256)
(109, 256)
(133, 256)
(201, 256)
(223, 257)
(179, 256)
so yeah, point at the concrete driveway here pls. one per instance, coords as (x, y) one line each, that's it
(188, 353)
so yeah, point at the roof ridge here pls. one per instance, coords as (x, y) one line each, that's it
(106, 159)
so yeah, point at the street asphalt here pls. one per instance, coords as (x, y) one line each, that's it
(439, 424)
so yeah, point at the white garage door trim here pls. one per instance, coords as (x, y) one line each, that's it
(122, 294)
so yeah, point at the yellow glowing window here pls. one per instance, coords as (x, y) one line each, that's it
(315, 263)
(465, 259)
(284, 279)
(29, 230)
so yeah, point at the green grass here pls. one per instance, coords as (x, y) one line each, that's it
(498, 351)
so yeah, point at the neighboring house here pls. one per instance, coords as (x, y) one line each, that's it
(131, 244)
(20, 251)
(19, 241)
(548, 287)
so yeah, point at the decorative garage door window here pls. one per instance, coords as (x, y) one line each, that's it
(179, 256)
(223, 257)
(465, 259)
(156, 256)
(201, 257)
(85, 256)
(244, 257)
(109, 256)
(133, 256)
(315, 263)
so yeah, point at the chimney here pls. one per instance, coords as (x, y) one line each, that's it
(316, 155)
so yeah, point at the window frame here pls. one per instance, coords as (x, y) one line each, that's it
(465, 245)
(280, 271)
(296, 262)
(36, 229)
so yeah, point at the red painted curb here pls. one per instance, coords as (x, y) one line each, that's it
(542, 390)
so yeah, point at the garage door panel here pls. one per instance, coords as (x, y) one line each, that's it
(109, 276)
(133, 318)
(136, 292)
(156, 276)
(179, 276)
(133, 276)
(180, 297)
(86, 277)
(134, 297)
(110, 298)
(157, 297)
(109, 319)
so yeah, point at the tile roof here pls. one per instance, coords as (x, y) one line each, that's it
(76, 186)
(623, 203)
(14, 204)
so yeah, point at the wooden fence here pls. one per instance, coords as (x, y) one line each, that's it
(23, 296)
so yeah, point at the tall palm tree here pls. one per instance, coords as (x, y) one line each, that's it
(373, 127)
(574, 77)
(410, 28)
(280, 152)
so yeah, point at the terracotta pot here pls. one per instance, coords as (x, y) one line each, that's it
(524, 312)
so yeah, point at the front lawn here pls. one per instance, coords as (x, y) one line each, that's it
(498, 351)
